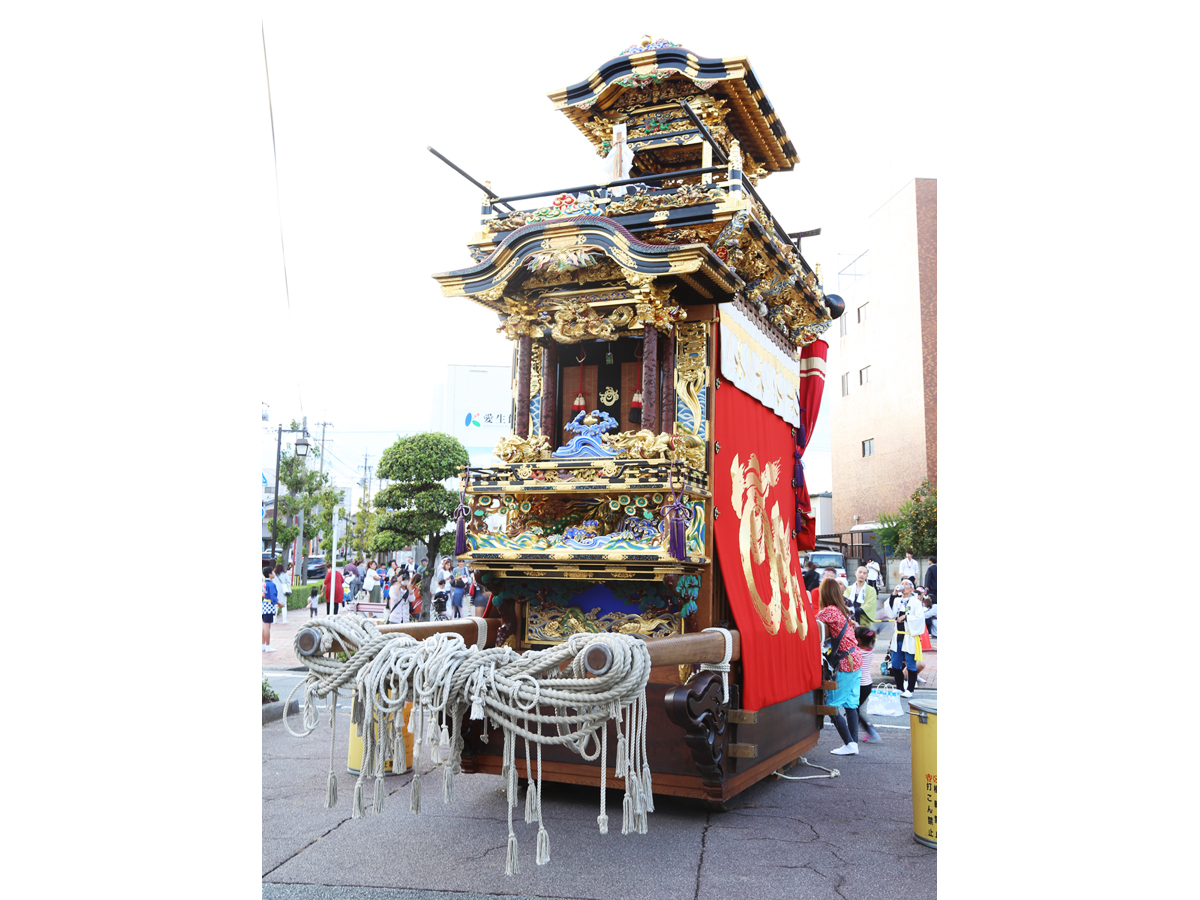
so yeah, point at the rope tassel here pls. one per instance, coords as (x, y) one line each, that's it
(377, 806)
(647, 788)
(512, 864)
(531, 805)
(444, 683)
(331, 792)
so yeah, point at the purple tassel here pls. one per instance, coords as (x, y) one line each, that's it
(679, 516)
(460, 535)
(798, 470)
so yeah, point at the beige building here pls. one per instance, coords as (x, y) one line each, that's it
(881, 386)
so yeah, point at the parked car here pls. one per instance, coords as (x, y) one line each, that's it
(824, 559)
(316, 567)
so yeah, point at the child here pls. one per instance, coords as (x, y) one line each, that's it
(400, 597)
(866, 643)
(312, 601)
(930, 614)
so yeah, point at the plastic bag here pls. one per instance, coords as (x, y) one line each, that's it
(884, 701)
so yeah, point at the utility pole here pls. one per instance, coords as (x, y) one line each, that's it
(323, 424)
(365, 484)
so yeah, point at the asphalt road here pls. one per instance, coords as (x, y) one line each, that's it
(849, 836)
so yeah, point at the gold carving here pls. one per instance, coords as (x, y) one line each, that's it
(645, 444)
(512, 449)
(691, 371)
(610, 396)
(535, 371)
(751, 484)
(556, 623)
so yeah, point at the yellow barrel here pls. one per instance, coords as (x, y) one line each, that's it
(923, 721)
(354, 756)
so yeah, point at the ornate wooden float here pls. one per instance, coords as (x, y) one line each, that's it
(668, 374)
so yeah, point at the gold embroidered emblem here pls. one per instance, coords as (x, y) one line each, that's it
(751, 484)
(610, 396)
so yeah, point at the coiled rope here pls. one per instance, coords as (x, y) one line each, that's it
(442, 677)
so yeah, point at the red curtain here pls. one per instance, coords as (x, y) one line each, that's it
(759, 563)
(812, 387)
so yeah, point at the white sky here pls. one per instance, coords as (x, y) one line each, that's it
(368, 214)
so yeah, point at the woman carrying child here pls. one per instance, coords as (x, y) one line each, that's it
(846, 660)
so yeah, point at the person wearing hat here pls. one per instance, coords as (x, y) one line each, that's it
(909, 614)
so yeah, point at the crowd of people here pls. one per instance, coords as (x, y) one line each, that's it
(454, 591)
(854, 618)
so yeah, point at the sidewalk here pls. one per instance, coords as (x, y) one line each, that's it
(282, 637)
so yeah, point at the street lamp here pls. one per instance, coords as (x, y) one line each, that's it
(301, 451)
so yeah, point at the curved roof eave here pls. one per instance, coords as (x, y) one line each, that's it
(736, 72)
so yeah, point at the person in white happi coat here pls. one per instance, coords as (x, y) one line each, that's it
(909, 616)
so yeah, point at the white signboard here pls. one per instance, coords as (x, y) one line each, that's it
(478, 408)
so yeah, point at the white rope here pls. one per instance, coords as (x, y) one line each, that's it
(833, 773)
(443, 678)
(481, 638)
(723, 665)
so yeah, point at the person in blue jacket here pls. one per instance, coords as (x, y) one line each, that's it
(270, 598)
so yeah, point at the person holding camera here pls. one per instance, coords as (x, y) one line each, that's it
(909, 615)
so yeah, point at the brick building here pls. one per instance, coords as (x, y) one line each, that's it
(882, 371)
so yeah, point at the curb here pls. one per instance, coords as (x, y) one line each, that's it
(273, 712)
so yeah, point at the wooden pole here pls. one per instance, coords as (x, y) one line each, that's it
(524, 352)
(679, 649)
(668, 369)
(550, 390)
(650, 378)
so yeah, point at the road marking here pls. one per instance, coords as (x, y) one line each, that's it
(881, 725)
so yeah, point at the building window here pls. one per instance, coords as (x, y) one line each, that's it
(864, 375)
(862, 313)
(845, 384)
(842, 325)
(869, 447)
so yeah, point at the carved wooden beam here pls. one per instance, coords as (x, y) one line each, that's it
(524, 351)
(650, 378)
(697, 709)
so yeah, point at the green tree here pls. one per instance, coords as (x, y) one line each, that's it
(416, 506)
(914, 525)
(364, 527)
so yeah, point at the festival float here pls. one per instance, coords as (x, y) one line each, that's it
(653, 630)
